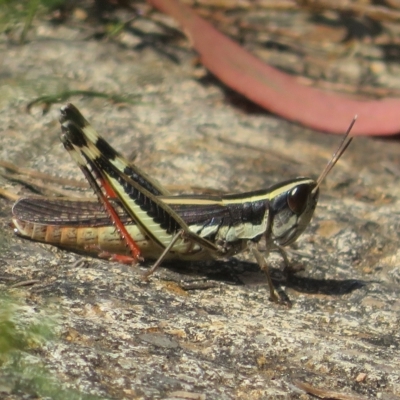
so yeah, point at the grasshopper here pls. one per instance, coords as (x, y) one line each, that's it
(135, 217)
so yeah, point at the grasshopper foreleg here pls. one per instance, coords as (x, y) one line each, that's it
(264, 267)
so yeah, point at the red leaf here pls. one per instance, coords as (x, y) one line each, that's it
(276, 91)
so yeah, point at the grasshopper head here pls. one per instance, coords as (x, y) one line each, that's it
(292, 207)
(292, 203)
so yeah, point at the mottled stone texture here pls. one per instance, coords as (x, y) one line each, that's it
(120, 337)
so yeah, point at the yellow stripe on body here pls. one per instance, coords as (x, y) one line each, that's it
(119, 162)
(139, 216)
(143, 219)
(228, 200)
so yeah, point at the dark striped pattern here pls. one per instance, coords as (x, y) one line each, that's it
(107, 169)
(288, 206)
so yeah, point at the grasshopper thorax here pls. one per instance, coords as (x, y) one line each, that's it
(291, 208)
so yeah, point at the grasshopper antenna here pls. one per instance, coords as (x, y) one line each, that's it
(344, 144)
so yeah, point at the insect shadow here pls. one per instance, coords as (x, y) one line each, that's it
(205, 275)
(331, 287)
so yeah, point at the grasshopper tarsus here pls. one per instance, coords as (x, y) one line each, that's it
(283, 298)
(122, 259)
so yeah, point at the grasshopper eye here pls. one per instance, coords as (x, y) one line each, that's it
(298, 198)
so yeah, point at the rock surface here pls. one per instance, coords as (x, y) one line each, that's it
(120, 337)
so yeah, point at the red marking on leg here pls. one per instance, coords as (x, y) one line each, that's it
(117, 257)
(121, 258)
(133, 247)
(108, 189)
